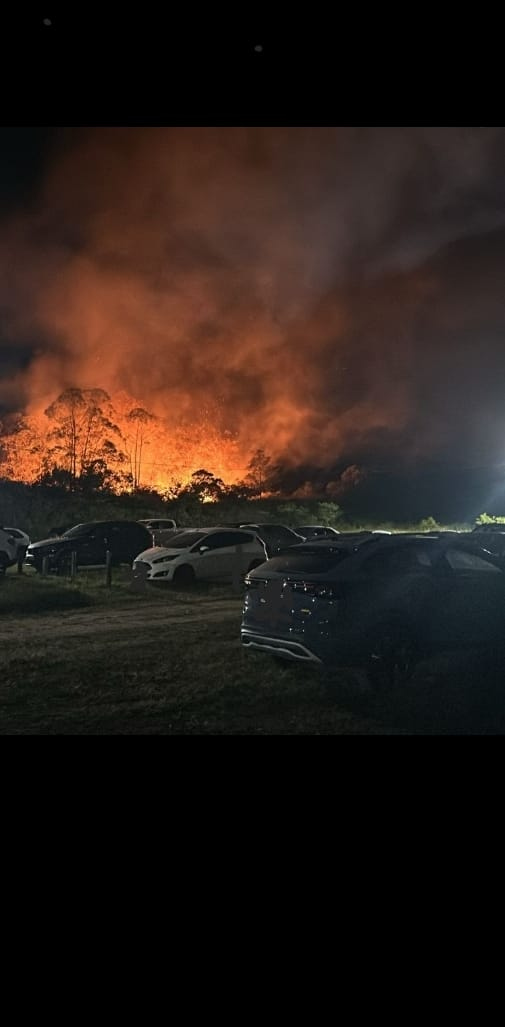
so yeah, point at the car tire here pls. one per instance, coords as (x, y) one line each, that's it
(184, 576)
(393, 652)
(3, 564)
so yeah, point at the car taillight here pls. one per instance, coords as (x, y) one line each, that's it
(255, 583)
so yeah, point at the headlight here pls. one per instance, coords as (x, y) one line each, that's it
(163, 559)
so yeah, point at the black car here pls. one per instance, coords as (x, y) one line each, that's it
(310, 531)
(124, 539)
(381, 604)
(494, 541)
(274, 536)
(485, 528)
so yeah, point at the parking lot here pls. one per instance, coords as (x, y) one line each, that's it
(168, 662)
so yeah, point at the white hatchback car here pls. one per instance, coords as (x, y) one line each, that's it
(204, 554)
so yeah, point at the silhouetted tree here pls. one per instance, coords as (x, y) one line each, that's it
(240, 492)
(22, 450)
(139, 421)
(205, 486)
(260, 469)
(84, 435)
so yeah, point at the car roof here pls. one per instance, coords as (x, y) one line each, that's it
(320, 527)
(216, 527)
(365, 538)
(383, 543)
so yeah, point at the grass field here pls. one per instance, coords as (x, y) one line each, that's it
(84, 659)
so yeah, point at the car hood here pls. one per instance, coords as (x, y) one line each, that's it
(49, 542)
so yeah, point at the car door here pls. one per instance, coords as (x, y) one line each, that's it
(469, 603)
(218, 561)
(91, 548)
(127, 541)
(394, 582)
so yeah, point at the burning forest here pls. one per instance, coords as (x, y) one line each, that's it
(177, 299)
(85, 435)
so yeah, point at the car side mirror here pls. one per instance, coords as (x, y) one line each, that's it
(204, 549)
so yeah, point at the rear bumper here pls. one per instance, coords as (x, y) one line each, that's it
(329, 651)
(289, 650)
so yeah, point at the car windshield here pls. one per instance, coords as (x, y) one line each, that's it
(80, 529)
(186, 539)
(316, 529)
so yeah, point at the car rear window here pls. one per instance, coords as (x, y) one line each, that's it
(308, 563)
(401, 559)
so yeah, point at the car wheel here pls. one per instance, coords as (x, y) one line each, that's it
(393, 654)
(3, 564)
(184, 576)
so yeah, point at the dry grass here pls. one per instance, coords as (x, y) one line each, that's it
(88, 660)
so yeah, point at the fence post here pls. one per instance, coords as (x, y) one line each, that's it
(73, 565)
(108, 568)
(138, 578)
(45, 566)
(237, 570)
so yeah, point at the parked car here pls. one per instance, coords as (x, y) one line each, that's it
(485, 528)
(347, 537)
(382, 603)
(8, 550)
(204, 554)
(22, 541)
(494, 541)
(161, 529)
(90, 542)
(60, 530)
(310, 531)
(274, 536)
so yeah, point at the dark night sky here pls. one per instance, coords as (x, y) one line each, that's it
(340, 291)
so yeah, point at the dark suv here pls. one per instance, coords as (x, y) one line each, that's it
(90, 542)
(381, 604)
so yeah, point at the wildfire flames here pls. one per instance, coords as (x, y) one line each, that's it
(142, 450)
(164, 268)
(191, 274)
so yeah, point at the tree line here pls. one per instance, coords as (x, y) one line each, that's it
(84, 449)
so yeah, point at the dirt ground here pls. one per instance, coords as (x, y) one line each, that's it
(178, 667)
(100, 624)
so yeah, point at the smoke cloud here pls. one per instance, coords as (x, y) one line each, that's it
(326, 294)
